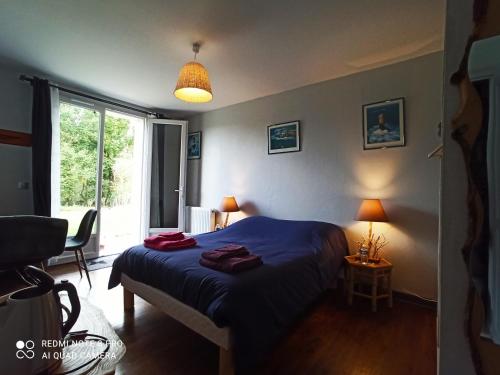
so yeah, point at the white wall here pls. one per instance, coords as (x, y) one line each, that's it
(326, 180)
(15, 161)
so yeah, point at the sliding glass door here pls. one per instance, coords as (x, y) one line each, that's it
(121, 182)
(78, 163)
(132, 170)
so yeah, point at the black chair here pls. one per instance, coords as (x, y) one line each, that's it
(76, 243)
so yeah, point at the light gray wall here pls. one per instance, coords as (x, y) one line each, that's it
(15, 161)
(328, 178)
(454, 355)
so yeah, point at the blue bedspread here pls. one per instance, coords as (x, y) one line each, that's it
(301, 259)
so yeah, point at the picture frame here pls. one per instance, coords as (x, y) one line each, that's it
(194, 145)
(384, 124)
(283, 137)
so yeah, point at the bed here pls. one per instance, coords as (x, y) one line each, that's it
(246, 313)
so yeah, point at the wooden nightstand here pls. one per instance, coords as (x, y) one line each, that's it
(375, 275)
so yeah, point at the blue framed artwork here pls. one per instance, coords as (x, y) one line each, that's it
(383, 124)
(194, 145)
(284, 137)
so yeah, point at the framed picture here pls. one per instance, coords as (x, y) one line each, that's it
(194, 145)
(383, 124)
(284, 137)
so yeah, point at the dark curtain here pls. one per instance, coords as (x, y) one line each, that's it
(41, 130)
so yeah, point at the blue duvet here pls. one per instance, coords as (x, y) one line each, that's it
(301, 259)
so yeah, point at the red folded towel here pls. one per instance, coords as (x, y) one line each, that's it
(172, 236)
(159, 244)
(225, 252)
(234, 264)
(169, 236)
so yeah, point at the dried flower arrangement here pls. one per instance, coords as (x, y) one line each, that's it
(374, 245)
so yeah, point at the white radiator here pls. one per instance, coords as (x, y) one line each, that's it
(199, 220)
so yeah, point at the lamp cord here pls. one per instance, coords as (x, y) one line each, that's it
(74, 337)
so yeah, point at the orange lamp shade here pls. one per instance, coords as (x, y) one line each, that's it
(229, 205)
(371, 210)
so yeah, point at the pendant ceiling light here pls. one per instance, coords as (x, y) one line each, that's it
(193, 84)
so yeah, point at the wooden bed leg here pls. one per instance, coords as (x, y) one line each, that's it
(226, 365)
(128, 299)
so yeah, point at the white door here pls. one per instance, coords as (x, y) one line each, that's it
(165, 176)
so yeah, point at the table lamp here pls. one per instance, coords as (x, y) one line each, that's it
(371, 210)
(228, 205)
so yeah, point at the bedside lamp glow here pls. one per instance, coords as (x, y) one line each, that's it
(371, 210)
(228, 205)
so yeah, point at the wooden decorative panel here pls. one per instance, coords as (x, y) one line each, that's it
(11, 137)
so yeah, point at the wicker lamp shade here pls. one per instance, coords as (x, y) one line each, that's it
(193, 84)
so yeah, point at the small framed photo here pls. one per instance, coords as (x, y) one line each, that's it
(284, 137)
(194, 145)
(383, 124)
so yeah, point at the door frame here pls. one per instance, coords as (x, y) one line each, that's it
(148, 139)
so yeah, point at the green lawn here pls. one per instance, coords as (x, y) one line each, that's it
(119, 226)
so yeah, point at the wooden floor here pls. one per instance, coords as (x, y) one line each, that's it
(332, 338)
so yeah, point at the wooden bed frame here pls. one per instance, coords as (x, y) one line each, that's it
(184, 314)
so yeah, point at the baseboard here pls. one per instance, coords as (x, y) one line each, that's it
(70, 258)
(410, 298)
(401, 296)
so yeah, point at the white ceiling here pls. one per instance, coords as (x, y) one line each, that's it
(133, 50)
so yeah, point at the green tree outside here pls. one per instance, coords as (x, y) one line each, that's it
(79, 148)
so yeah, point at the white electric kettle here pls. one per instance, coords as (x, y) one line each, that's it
(32, 326)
